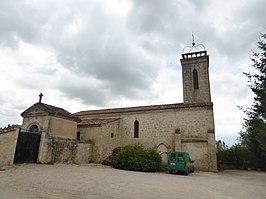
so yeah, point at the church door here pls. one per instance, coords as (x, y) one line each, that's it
(28, 146)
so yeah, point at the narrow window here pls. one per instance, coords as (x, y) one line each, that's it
(112, 135)
(136, 129)
(195, 79)
(78, 135)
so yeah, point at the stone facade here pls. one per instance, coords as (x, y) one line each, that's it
(58, 130)
(177, 127)
(195, 67)
(104, 135)
(187, 126)
(51, 120)
(63, 150)
(91, 136)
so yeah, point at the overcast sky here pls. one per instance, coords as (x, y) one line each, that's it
(114, 53)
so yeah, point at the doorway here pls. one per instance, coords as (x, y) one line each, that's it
(27, 148)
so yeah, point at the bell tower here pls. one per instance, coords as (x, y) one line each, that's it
(195, 74)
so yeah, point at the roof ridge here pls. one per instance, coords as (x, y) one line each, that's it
(142, 108)
(96, 122)
(53, 110)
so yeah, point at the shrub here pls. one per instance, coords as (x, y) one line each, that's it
(136, 158)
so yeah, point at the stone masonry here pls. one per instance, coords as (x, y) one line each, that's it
(91, 136)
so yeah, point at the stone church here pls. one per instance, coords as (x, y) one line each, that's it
(91, 135)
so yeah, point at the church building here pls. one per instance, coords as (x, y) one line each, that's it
(91, 135)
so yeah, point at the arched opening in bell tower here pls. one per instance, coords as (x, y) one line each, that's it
(195, 79)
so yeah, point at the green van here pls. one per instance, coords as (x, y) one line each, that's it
(180, 162)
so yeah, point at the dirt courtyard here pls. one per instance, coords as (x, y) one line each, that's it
(96, 181)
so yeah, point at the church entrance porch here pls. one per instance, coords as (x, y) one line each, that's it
(27, 147)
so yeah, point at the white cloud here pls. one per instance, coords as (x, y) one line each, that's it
(109, 53)
(229, 92)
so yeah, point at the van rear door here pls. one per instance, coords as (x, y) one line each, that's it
(181, 163)
(172, 159)
(176, 161)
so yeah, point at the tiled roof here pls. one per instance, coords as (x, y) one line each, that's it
(52, 110)
(96, 122)
(9, 128)
(142, 108)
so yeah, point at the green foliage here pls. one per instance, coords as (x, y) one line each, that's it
(253, 134)
(136, 158)
(116, 150)
(237, 155)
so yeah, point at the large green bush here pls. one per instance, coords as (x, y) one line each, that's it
(136, 158)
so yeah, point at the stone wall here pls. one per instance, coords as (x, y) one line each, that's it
(200, 63)
(159, 127)
(54, 126)
(105, 138)
(62, 128)
(198, 151)
(63, 150)
(212, 151)
(41, 121)
(58, 140)
(83, 153)
(8, 142)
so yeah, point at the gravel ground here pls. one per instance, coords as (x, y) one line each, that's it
(96, 181)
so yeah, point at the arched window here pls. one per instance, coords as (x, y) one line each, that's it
(34, 129)
(195, 79)
(136, 129)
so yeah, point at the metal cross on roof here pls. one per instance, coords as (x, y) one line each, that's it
(40, 99)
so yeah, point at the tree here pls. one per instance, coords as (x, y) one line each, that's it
(234, 157)
(253, 134)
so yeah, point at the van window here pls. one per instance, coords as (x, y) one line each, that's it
(173, 156)
(180, 157)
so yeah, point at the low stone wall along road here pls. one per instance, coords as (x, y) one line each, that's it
(93, 181)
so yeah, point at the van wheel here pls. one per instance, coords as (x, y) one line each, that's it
(170, 171)
(186, 173)
(192, 169)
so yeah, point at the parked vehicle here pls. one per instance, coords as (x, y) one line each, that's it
(180, 162)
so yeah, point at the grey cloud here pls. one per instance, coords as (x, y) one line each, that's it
(165, 28)
(101, 46)
(37, 80)
(45, 71)
(161, 24)
(109, 54)
(200, 4)
(88, 95)
(238, 41)
(126, 58)
(230, 86)
(125, 70)
(18, 21)
(253, 15)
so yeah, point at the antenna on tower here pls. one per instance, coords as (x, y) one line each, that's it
(193, 46)
(193, 40)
